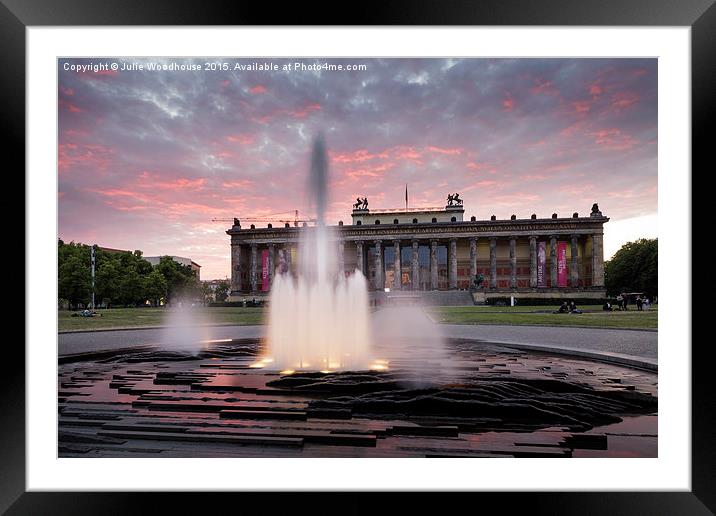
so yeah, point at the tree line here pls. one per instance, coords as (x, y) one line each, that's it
(121, 278)
(634, 268)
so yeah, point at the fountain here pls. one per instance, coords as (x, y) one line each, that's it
(186, 330)
(319, 320)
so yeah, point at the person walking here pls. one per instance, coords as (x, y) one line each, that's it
(639, 303)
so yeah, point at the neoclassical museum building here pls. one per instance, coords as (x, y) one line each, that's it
(433, 252)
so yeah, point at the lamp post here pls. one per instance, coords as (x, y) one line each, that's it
(92, 261)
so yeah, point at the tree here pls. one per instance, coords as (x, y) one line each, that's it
(222, 290)
(181, 280)
(74, 280)
(131, 288)
(155, 287)
(634, 268)
(107, 281)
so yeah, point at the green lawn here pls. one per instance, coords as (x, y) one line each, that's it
(138, 317)
(539, 315)
(592, 317)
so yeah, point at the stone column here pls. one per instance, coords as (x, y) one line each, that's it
(513, 262)
(379, 283)
(434, 264)
(271, 261)
(416, 266)
(452, 272)
(598, 260)
(254, 269)
(235, 267)
(553, 261)
(574, 265)
(397, 284)
(473, 259)
(341, 259)
(359, 256)
(493, 262)
(533, 262)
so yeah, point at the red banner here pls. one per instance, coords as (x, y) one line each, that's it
(264, 270)
(561, 264)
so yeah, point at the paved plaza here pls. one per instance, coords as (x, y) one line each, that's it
(484, 400)
(638, 344)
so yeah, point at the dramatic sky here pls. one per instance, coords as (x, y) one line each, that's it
(148, 158)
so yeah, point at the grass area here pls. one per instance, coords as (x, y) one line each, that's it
(531, 315)
(593, 316)
(138, 317)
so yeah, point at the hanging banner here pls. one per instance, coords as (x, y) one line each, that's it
(561, 264)
(542, 264)
(264, 270)
(282, 265)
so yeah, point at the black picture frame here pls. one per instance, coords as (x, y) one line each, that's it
(700, 15)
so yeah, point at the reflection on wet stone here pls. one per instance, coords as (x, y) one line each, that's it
(495, 402)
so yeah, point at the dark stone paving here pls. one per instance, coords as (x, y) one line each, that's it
(488, 401)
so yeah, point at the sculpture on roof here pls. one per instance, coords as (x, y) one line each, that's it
(360, 204)
(454, 200)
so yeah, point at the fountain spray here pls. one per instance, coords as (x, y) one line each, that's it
(320, 320)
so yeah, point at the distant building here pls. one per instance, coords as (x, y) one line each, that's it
(154, 260)
(213, 285)
(434, 249)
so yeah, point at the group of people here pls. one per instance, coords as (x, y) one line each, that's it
(623, 303)
(568, 308)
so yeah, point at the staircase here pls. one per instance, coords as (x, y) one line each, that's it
(428, 297)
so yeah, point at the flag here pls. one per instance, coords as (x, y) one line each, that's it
(406, 196)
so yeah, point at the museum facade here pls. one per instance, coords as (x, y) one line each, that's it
(433, 249)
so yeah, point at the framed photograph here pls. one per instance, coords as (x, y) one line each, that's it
(426, 235)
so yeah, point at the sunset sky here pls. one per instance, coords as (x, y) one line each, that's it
(148, 158)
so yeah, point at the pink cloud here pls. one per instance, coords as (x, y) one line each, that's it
(368, 171)
(304, 111)
(614, 139)
(241, 139)
(244, 183)
(582, 106)
(474, 165)
(448, 151)
(508, 104)
(356, 156)
(572, 129)
(406, 152)
(69, 106)
(71, 155)
(154, 181)
(257, 90)
(624, 100)
(543, 87)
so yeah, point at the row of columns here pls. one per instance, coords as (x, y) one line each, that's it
(597, 262)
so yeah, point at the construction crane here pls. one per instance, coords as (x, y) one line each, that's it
(295, 219)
